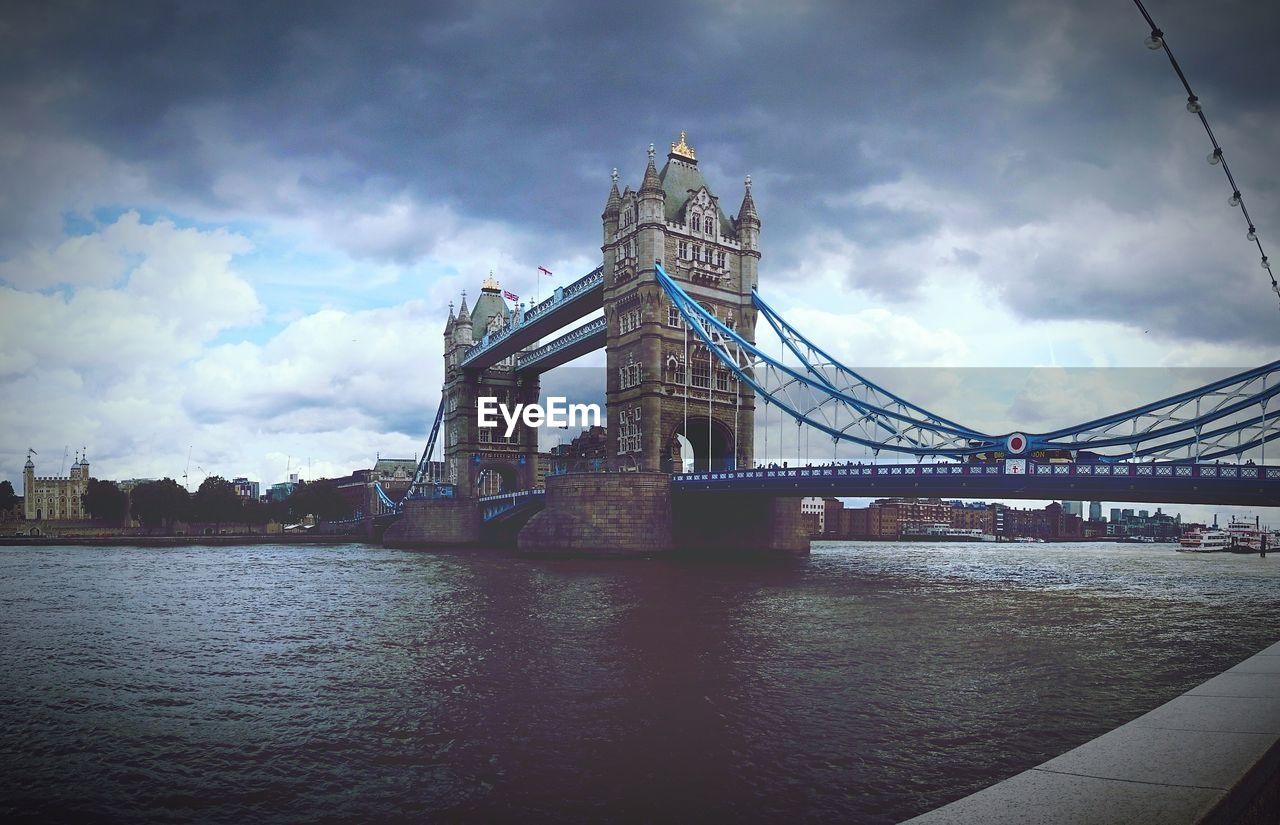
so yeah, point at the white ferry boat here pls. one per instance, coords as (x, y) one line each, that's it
(944, 532)
(1208, 540)
(1248, 538)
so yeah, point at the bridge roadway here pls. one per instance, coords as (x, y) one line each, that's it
(566, 304)
(1227, 484)
(1166, 483)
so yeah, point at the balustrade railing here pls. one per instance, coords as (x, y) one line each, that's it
(584, 331)
(1205, 471)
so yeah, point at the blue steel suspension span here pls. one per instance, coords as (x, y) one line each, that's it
(1227, 417)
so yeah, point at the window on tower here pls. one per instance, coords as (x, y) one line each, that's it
(629, 431)
(675, 370)
(684, 250)
(708, 225)
(701, 375)
(673, 317)
(629, 375)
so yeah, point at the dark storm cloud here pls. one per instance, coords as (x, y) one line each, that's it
(511, 109)
(516, 112)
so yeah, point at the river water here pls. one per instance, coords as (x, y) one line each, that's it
(866, 683)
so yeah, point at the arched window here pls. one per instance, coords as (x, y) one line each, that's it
(694, 221)
(708, 225)
(675, 370)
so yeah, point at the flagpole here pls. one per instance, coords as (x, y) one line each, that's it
(537, 282)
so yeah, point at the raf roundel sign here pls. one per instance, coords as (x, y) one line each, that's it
(1016, 443)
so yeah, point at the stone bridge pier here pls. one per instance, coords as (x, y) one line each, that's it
(637, 514)
(443, 522)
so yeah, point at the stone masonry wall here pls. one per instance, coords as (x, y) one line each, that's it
(438, 522)
(737, 523)
(611, 514)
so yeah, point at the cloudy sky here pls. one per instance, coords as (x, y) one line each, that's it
(234, 228)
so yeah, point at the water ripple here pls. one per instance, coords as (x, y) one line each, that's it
(867, 683)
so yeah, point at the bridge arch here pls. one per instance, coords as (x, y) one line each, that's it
(494, 477)
(702, 437)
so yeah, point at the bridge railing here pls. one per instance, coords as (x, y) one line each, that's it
(495, 505)
(1028, 468)
(514, 496)
(562, 296)
(585, 331)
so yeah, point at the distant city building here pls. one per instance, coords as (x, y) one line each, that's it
(129, 483)
(975, 516)
(1095, 511)
(1050, 523)
(395, 470)
(814, 512)
(831, 509)
(586, 452)
(394, 475)
(55, 497)
(1115, 514)
(245, 488)
(1159, 525)
(283, 489)
(1073, 508)
(892, 518)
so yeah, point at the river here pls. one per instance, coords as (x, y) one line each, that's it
(867, 683)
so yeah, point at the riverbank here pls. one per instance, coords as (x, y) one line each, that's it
(1212, 755)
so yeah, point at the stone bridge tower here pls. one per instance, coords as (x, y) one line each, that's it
(483, 461)
(664, 389)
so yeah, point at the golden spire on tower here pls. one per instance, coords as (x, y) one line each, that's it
(683, 149)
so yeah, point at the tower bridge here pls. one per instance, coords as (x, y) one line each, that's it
(685, 379)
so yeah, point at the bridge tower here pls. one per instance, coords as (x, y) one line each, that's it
(483, 461)
(663, 384)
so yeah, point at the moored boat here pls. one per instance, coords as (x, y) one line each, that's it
(944, 532)
(1206, 540)
(1244, 537)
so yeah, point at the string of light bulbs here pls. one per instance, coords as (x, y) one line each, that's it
(1156, 41)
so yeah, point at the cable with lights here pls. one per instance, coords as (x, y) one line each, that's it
(1156, 41)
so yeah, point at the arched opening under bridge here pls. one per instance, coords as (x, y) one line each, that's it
(495, 478)
(711, 443)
